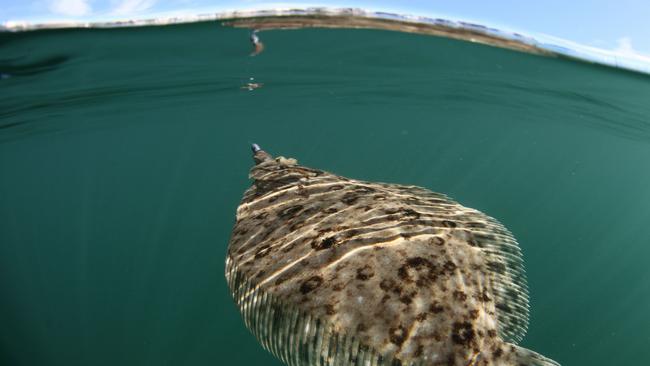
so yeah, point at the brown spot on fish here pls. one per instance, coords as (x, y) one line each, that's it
(310, 284)
(460, 295)
(436, 308)
(324, 244)
(436, 240)
(448, 223)
(350, 198)
(386, 284)
(365, 272)
(290, 212)
(397, 335)
(406, 298)
(462, 333)
(449, 266)
(484, 296)
(410, 213)
(497, 352)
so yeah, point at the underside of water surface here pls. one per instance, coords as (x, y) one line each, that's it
(124, 153)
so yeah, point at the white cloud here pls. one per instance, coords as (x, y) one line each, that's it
(75, 8)
(126, 7)
(624, 46)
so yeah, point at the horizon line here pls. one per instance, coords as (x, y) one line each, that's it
(529, 42)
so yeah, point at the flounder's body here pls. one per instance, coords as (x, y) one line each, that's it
(334, 271)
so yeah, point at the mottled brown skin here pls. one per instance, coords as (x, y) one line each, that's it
(400, 268)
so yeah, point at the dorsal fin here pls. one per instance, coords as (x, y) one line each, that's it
(505, 267)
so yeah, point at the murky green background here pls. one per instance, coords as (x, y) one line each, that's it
(124, 153)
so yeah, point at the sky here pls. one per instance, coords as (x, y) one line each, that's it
(617, 25)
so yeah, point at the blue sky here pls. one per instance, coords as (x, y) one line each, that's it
(621, 25)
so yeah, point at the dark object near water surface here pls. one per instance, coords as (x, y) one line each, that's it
(328, 270)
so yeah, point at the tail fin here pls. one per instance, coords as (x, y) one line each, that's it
(526, 357)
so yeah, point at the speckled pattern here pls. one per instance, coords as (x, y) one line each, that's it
(408, 273)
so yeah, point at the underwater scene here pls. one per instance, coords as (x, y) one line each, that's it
(125, 154)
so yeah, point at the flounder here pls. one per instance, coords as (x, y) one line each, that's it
(328, 270)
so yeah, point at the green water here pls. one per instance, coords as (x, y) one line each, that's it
(124, 153)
